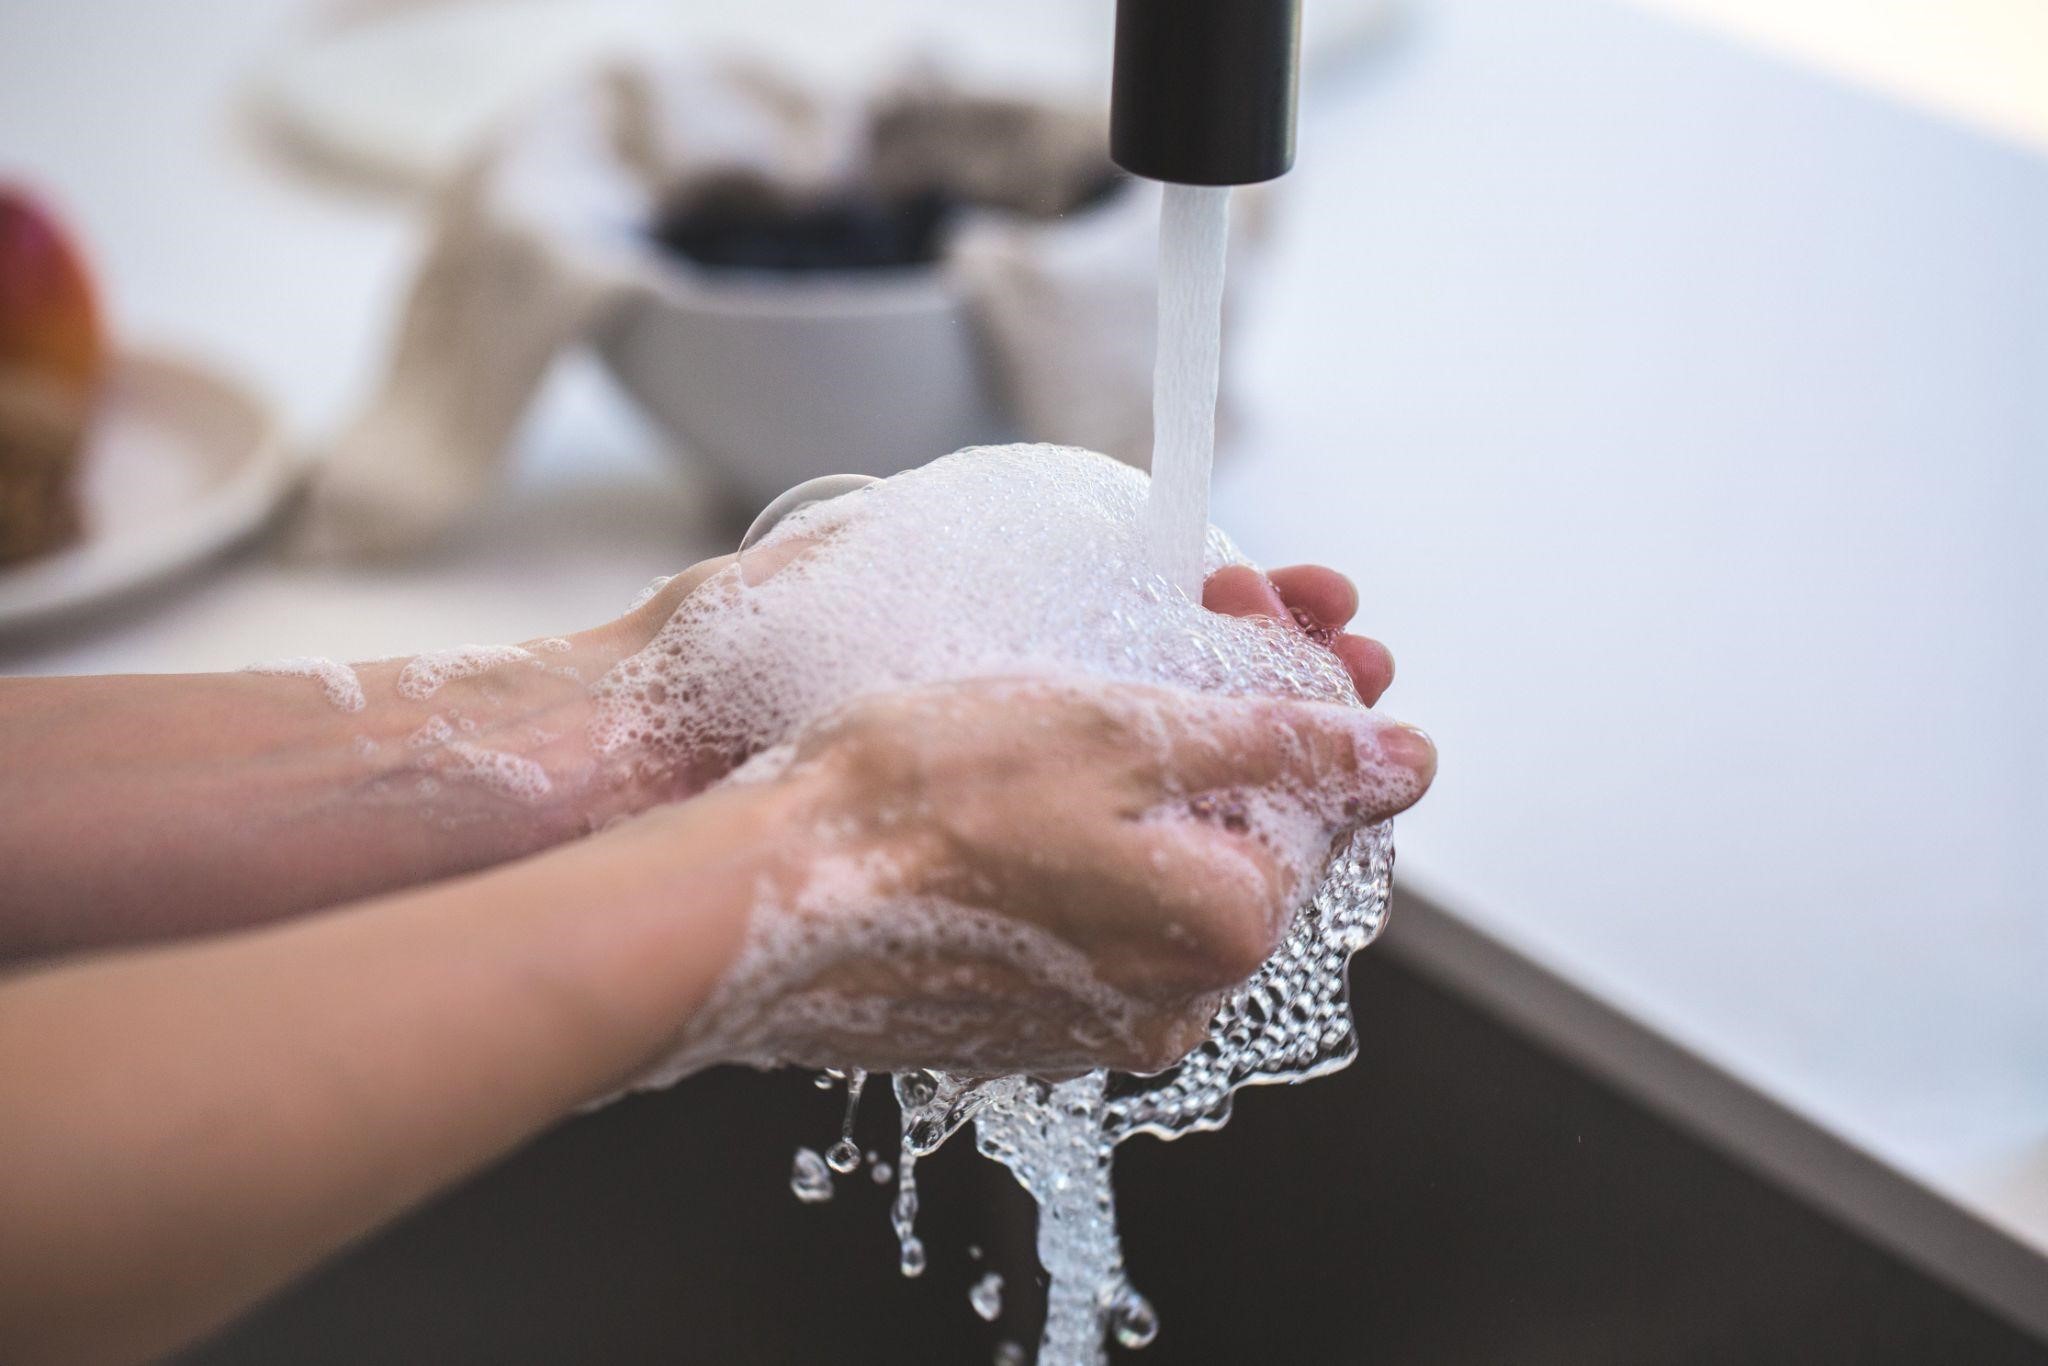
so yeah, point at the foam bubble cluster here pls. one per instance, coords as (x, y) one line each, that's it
(440, 752)
(426, 674)
(344, 690)
(500, 771)
(1004, 562)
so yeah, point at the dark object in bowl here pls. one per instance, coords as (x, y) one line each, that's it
(929, 152)
(743, 223)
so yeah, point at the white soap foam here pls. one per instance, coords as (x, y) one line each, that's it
(996, 561)
(1005, 563)
(645, 595)
(339, 681)
(426, 674)
(432, 733)
(440, 750)
(500, 771)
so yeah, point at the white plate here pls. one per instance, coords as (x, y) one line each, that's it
(180, 465)
(403, 98)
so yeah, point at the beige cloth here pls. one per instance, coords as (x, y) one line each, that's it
(544, 233)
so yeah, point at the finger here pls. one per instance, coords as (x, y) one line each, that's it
(764, 561)
(1238, 590)
(1370, 664)
(1327, 597)
(1362, 764)
(1240, 894)
(662, 603)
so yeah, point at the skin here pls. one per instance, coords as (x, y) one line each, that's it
(193, 1122)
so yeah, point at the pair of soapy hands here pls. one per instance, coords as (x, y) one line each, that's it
(1031, 801)
(229, 1108)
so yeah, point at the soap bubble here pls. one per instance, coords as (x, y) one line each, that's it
(809, 1179)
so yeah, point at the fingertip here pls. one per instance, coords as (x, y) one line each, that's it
(1370, 664)
(1238, 590)
(1326, 595)
(1410, 748)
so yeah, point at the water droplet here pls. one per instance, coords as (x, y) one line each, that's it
(823, 1081)
(809, 1179)
(1132, 1319)
(844, 1155)
(883, 1173)
(912, 1262)
(916, 1088)
(987, 1297)
(1011, 1354)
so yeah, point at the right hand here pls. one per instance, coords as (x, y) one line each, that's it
(1037, 876)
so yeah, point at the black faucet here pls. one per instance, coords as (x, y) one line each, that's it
(1204, 90)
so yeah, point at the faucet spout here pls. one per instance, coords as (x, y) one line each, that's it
(1203, 91)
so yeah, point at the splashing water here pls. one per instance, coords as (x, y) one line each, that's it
(844, 1156)
(903, 1216)
(1291, 1021)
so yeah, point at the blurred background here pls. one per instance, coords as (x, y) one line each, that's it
(1672, 376)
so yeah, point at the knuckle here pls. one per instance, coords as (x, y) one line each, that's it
(1168, 1040)
(1236, 945)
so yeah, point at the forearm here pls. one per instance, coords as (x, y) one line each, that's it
(189, 1126)
(148, 807)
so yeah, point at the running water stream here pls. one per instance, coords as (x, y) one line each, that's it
(1194, 225)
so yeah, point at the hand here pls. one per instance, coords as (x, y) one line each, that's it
(1024, 875)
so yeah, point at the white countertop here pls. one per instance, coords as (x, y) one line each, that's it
(1685, 419)
(1681, 413)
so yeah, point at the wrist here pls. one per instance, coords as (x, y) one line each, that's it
(657, 910)
(496, 748)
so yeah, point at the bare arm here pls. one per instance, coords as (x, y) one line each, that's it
(189, 1126)
(148, 807)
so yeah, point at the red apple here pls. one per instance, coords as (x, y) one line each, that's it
(49, 312)
(52, 355)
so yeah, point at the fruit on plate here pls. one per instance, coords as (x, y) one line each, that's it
(52, 358)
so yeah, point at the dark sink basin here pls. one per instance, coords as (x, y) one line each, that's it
(1460, 1195)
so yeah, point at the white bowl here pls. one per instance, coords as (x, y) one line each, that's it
(773, 378)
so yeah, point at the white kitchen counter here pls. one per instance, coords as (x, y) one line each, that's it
(1682, 414)
(1685, 418)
